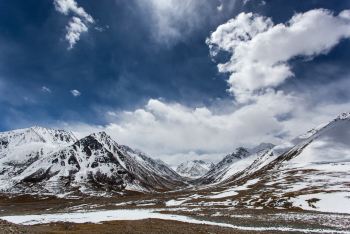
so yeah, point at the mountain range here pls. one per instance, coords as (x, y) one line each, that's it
(48, 161)
(308, 172)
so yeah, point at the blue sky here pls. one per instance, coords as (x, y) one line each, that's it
(147, 71)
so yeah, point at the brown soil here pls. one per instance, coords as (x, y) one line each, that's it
(148, 226)
(6, 227)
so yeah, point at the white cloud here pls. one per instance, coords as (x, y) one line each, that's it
(261, 50)
(75, 93)
(171, 21)
(168, 130)
(75, 28)
(220, 7)
(70, 6)
(175, 133)
(78, 24)
(46, 89)
(169, 16)
(262, 3)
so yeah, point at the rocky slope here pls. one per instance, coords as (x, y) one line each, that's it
(194, 169)
(234, 163)
(46, 161)
(311, 172)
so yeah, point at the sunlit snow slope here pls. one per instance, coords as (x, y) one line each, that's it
(313, 174)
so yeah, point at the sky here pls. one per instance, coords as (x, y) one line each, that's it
(179, 80)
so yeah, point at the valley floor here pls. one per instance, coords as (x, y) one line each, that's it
(165, 213)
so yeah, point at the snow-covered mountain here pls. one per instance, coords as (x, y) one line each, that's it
(310, 172)
(194, 169)
(20, 148)
(234, 163)
(40, 160)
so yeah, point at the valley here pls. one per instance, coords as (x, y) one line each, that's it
(52, 181)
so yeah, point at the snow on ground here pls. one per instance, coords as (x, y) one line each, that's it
(331, 220)
(123, 203)
(226, 193)
(174, 202)
(139, 214)
(233, 191)
(337, 202)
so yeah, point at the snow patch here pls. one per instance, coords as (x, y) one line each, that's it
(336, 202)
(139, 214)
(233, 191)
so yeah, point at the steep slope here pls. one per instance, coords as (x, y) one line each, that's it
(234, 163)
(93, 164)
(155, 172)
(194, 169)
(313, 174)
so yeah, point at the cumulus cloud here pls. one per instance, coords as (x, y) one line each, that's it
(175, 132)
(259, 64)
(261, 50)
(171, 130)
(78, 24)
(75, 93)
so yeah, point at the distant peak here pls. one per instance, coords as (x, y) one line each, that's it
(241, 150)
(40, 128)
(102, 134)
(37, 127)
(199, 161)
(345, 115)
(103, 138)
(261, 147)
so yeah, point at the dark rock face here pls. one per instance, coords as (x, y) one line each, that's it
(73, 161)
(89, 144)
(38, 176)
(113, 182)
(238, 154)
(3, 143)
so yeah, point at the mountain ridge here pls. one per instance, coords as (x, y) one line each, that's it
(308, 172)
(95, 162)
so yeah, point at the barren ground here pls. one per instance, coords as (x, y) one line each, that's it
(197, 208)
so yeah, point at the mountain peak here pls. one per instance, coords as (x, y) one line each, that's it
(106, 140)
(101, 134)
(345, 115)
(261, 147)
(241, 152)
(37, 134)
(194, 169)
